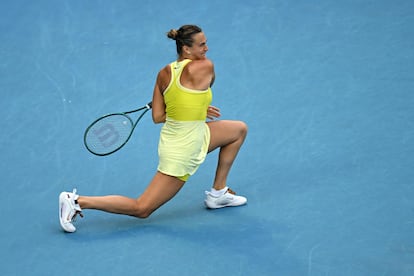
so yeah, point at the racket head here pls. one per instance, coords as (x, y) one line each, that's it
(108, 133)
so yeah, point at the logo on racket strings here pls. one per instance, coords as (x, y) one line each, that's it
(107, 135)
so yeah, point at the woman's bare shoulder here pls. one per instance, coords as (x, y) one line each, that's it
(202, 63)
(198, 74)
(166, 70)
(163, 78)
(200, 66)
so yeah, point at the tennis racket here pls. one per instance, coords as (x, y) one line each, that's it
(111, 132)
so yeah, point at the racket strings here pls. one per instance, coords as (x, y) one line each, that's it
(108, 134)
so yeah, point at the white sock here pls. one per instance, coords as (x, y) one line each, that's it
(218, 193)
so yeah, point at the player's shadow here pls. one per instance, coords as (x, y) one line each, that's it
(227, 229)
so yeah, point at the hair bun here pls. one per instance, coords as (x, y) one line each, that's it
(172, 34)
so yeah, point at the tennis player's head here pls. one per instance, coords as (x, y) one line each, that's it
(190, 41)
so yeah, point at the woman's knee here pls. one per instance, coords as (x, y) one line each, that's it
(242, 128)
(141, 210)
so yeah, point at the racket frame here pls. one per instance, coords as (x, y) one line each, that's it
(146, 108)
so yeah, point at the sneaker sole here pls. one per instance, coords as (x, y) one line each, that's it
(66, 227)
(217, 206)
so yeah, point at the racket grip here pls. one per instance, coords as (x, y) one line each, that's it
(149, 105)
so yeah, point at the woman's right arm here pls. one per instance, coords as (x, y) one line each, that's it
(158, 104)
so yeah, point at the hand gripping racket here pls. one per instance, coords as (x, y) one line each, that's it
(111, 132)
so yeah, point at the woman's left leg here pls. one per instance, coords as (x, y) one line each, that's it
(160, 190)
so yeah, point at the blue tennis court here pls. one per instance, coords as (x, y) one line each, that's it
(326, 87)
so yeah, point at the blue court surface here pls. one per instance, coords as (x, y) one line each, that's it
(326, 87)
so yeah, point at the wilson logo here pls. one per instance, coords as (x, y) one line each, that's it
(107, 135)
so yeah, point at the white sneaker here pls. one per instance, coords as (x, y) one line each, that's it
(229, 198)
(68, 209)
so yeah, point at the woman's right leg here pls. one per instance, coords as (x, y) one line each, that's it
(229, 137)
(160, 190)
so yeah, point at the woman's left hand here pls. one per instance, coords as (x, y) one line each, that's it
(213, 112)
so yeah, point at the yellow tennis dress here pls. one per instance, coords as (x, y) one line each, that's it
(185, 136)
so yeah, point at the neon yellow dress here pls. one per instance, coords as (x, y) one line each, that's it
(185, 136)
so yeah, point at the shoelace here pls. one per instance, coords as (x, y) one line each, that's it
(75, 215)
(230, 191)
(73, 219)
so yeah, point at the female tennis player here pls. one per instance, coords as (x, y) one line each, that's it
(181, 101)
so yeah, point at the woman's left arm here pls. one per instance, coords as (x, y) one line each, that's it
(213, 112)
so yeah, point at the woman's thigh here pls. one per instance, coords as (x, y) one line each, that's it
(160, 190)
(225, 132)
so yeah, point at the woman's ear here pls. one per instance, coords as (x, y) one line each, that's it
(187, 50)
